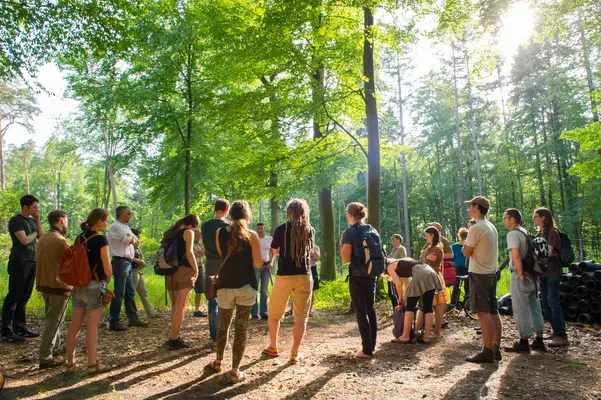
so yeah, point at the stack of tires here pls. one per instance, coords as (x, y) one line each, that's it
(581, 293)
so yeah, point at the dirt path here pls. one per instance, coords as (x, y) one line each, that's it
(145, 370)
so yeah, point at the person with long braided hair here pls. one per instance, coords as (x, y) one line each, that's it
(293, 243)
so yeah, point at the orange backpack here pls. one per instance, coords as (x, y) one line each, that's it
(75, 269)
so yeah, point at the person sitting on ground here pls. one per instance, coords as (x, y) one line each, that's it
(398, 251)
(137, 274)
(240, 251)
(199, 251)
(87, 300)
(180, 284)
(54, 292)
(424, 283)
(460, 266)
(433, 256)
(292, 242)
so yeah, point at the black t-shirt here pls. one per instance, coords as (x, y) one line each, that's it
(238, 270)
(281, 241)
(94, 246)
(353, 236)
(208, 229)
(19, 251)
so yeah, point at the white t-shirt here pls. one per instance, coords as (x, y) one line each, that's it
(265, 246)
(483, 237)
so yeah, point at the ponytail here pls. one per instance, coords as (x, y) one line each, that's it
(95, 216)
(240, 213)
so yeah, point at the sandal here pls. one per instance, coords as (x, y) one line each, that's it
(97, 368)
(295, 358)
(271, 351)
(214, 366)
(70, 367)
(398, 340)
(239, 377)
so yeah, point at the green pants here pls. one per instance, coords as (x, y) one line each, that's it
(54, 315)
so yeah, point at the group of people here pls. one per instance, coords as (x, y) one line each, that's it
(238, 263)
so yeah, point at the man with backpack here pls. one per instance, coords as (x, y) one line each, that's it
(121, 245)
(527, 312)
(54, 292)
(25, 228)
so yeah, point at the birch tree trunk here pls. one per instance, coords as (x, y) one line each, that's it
(462, 183)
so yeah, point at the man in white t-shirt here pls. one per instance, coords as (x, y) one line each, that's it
(263, 274)
(482, 248)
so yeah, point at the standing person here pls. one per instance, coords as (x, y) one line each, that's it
(137, 273)
(459, 261)
(208, 230)
(549, 282)
(240, 250)
(433, 256)
(25, 229)
(264, 272)
(362, 286)
(121, 245)
(482, 248)
(446, 243)
(199, 285)
(180, 284)
(398, 251)
(292, 242)
(527, 311)
(54, 292)
(87, 300)
(315, 254)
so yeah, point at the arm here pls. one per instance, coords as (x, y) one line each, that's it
(398, 282)
(25, 240)
(118, 233)
(467, 250)
(106, 263)
(189, 238)
(217, 246)
(517, 263)
(40, 229)
(139, 261)
(345, 253)
(255, 245)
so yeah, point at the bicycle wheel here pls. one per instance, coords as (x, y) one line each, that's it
(468, 310)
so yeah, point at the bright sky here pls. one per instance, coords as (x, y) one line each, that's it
(518, 25)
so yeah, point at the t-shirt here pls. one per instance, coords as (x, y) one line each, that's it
(352, 236)
(94, 246)
(459, 258)
(237, 270)
(398, 252)
(281, 241)
(208, 229)
(265, 246)
(517, 240)
(19, 251)
(437, 251)
(483, 237)
(554, 261)
(315, 254)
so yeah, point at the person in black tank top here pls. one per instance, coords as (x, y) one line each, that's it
(182, 281)
(240, 251)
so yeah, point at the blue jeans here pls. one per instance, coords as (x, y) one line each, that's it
(263, 284)
(211, 267)
(549, 288)
(124, 291)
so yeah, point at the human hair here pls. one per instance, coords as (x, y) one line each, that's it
(55, 216)
(260, 224)
(301, 231)
(472, 222)
(136, 231)
(221, 205)
(240, 213)
(515, 214)
(357, 210)
(190, 219)
(434, 232)
(398, 236)
(120, 210)
(95, 216)
(483, 210)
(462, 233)
(28, 200)
(549, 220)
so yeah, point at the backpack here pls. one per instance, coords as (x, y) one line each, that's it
(370, 255)
(529, 262)
(566, 253)
(74, 268)
(166, 259)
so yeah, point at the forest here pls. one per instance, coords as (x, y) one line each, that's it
(184, 102)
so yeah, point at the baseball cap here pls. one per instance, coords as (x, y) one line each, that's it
(480, 200)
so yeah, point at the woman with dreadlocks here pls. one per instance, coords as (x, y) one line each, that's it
(292, 242)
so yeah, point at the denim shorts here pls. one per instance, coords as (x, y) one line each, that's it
(87, 297)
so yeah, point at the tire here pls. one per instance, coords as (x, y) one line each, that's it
(467, 309)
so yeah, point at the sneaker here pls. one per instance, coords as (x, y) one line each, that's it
(264, 317)
(550, 337)
(255, 317)
(118, 326)
(199, 314)
(538, 345)
(481, 358)
(558, 342)
(176, 344)
(26, 333)
(52, 364)
(518, 347)
(12, 337)
(139, 323)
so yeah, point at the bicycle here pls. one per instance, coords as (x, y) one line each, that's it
(463, 302)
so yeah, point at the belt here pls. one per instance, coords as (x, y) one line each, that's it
(121, 258)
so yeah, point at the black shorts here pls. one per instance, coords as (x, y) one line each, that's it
(200, 282)
(483, 293)
(315, 278)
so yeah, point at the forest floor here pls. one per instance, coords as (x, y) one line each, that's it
(144, 369)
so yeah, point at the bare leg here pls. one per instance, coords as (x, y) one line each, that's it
(312, 301)
(77, 319)
(181, 299)
(438, 314)
(197, 302)
(428, 328)
(274, 328)
(408, 320)
(92, 321)
(298, 332)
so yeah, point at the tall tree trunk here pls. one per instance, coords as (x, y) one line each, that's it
(371, 114)
(547, 162)
(111, 175)
(26, 175)
(188, 144)
(2, 177)
(510, 148)
(261, 210)
(539, 171)
(587, 67)
(397, 198)
(274, 204)
(55, 190)
(470, 102)
(462, 182)
(403, 163)
(105, 189)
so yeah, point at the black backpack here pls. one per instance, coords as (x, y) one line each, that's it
(369, 254)
(566, 253)
(529, 261)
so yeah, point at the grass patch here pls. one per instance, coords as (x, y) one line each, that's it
(577, 366)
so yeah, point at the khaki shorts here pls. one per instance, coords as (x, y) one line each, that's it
(182, 279)
(300, 286)
(229, 298)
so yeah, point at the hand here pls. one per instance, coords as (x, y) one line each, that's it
(524, 277)
(431, 257)
(397, 308)
(36, 216)
(142, 263)
(269, 266)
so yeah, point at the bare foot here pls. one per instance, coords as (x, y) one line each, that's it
(360, 354)
(434, 336)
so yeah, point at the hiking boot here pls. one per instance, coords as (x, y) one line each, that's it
(138, 323)
(518, 347)
(52, 364)
(12, 337)
(480, 357)
(550, 337)
(199, 314)
(496, 355)
(118, 326)
(176, 344)
(538, 345)
(26, 333)
(558, 342)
